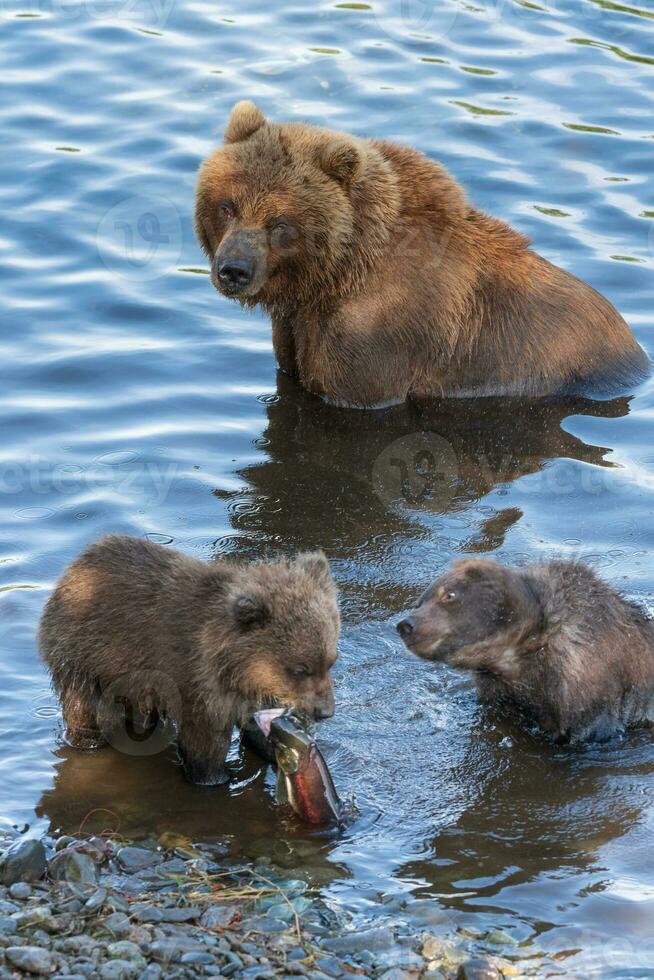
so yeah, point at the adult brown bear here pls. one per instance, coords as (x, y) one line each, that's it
(383, 282)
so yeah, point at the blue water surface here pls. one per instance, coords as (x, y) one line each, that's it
(135, 399)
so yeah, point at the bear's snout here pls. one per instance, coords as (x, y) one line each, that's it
(405, 627)
(239, 267)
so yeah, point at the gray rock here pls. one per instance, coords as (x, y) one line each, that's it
(20, 890)
(197, 958)
(172, 948)
(373, 940)
(118, 970)
(180, 914)
(70, 976)
(96, 900)
(402, 959)
(146, 913)
(22, 861)
(396, 974)
(151, 972)
(8, 926)
(8, 908)
(39, 917)
(218, 916)
(125, 950)
(331, 966)
(30, 959)
(175, 866)
(78, 869)
(478, 969)
(117, 923)
(132, 859)
(262, 923)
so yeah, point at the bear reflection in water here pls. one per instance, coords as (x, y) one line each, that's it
(348, 481)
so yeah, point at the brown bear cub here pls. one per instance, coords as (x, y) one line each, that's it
(552, 641)
(383, 282)
(134, 626)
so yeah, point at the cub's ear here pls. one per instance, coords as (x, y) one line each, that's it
(315, 564)
(341, 161)
(250, 610)
(244, 120)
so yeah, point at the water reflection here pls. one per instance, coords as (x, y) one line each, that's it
(342, 479)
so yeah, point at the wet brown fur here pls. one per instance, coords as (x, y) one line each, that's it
(204, 644)
(386, 283)
(552, 641)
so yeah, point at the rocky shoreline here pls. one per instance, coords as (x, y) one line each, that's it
(108, 909)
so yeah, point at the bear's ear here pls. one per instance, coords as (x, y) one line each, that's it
(341, 161)
(315, 564)
(250, 610)
(244, 120)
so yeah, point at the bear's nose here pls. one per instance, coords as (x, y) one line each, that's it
(405, 627)
(322, 711)
(235, 273)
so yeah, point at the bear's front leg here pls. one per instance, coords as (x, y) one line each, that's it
(82, 727)
(284, 344)
(203, 749)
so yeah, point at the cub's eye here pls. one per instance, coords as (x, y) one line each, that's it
(447, 596)
(226, 209)
(299, 671)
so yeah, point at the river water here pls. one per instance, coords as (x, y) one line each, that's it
(136, 400)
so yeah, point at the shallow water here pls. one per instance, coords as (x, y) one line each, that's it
(135, 399)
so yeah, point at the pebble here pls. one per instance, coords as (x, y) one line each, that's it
(20, 890)
(180, 914)
(151, 972)
(30, 959)
(498, 937)
(147, 913)
(118, 970)
(373, 940)
(263, 923)
(125, 950)
(331, 966)
(23, 861)
(218, 916)
(478, 969)
(78, 869)
(8, 926)
(96, 901)
(132, 859)
(197, 959)
(117, 923)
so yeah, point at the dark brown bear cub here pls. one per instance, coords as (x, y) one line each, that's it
(135, 626)
(383, 282)
(552, 641)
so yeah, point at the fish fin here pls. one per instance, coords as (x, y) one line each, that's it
(281, 789)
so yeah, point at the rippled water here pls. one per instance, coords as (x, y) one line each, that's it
(135, 399)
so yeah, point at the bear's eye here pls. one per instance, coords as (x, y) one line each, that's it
(226, 209)
(282, 232)
(448, 596)
(299, 672)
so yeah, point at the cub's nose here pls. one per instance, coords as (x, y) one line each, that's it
(405, 627)
(235, 273)
(322, 712)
